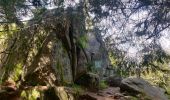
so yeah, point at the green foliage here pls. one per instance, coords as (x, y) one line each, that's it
(159, 77)
(112, 58)
(17, 72)
(82, 41)
(122, 72)
(9, 7)
(38, 13)
(91, 67)
(30, 94)
(24, 94)
(78, 90)
(168, 89)
(119, 65)
(102, 85)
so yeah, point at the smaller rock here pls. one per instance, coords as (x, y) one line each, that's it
(86, 97)
(89, 80)
(118, 95)
(110, 91)
(114, 81)
(100, 94)
(127, 97)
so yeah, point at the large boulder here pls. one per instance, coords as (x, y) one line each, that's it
(89, 80)
(114, 81)
(140, 86)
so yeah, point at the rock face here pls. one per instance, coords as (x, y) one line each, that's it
(97, 52)
(140, 86)
(89, 80)
(59, 59)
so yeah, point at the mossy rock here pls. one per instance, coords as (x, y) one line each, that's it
(89, 80)
(58, 93)
(167, 90)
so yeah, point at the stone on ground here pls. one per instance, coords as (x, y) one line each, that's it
(89, 80)
(140, 86)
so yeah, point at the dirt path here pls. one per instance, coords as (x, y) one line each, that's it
(111, 93)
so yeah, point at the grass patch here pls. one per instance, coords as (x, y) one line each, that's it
(103, 85)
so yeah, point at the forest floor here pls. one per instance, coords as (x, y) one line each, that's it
(110, 93)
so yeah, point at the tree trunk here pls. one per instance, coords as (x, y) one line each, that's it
(73, 52)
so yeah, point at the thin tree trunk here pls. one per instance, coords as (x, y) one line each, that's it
(73, 52)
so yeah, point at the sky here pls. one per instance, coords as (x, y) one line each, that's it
(165, 42)
(128, 41)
